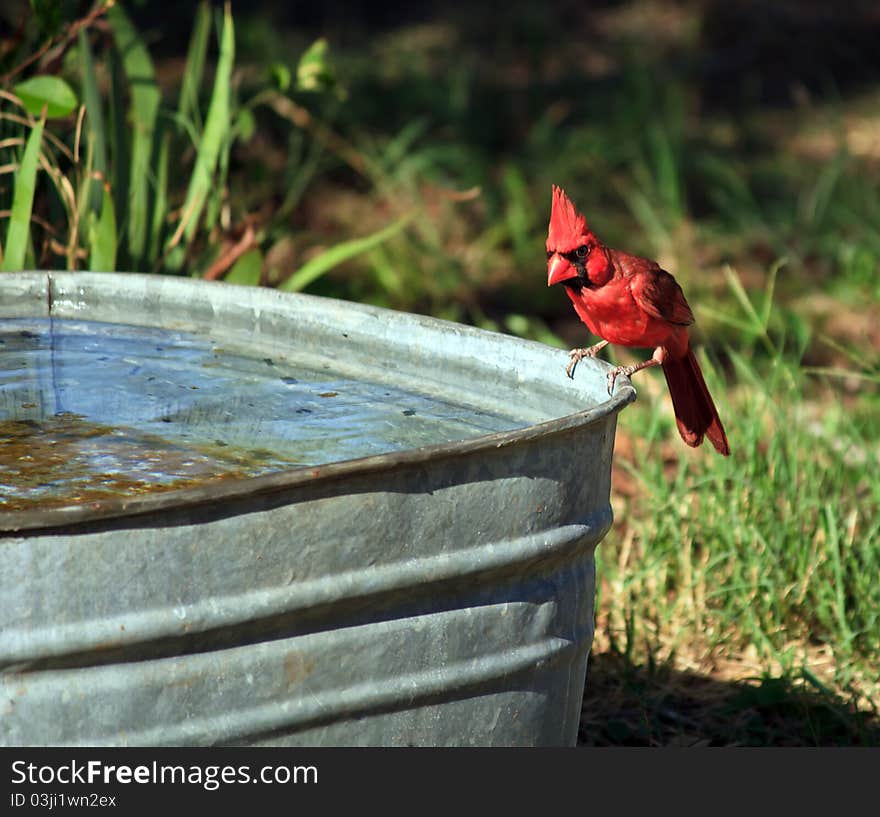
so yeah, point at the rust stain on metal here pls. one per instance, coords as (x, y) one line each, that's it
(297, 667)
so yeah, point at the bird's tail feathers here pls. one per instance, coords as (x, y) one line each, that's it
(695, 412)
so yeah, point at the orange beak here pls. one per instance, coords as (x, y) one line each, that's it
(558, 270)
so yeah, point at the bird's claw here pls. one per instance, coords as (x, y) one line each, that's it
(618, 370)
(577, 355)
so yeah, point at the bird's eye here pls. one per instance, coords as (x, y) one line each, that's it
(582, 251)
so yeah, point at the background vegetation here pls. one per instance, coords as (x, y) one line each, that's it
(405, 158)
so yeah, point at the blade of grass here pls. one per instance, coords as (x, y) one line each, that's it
(214, 138)
(814, 206)
(119, 152)
(160, 199)
(385, 271)
(834, 549)
(739, 292)
(246, 271)
(144, 108)
(18, 231)
(316, 267)
(84, 213)
(217, 191)
(757, 322)
(720, 316)
(95, 124)
(188, 106)
(102, 236)
(843, 374)
(770, 289)
(854, 354)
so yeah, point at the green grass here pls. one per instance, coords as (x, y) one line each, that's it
(774, 550)
(764, 563)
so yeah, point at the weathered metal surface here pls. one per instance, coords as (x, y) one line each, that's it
(440, 595)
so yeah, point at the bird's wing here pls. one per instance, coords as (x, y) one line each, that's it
(656, 291)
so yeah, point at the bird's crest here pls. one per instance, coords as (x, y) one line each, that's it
(566, 223)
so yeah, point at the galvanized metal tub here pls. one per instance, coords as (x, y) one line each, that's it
(441, 595)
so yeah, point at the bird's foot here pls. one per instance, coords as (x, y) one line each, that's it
(629, 371)
(619, 370)
(577, 355)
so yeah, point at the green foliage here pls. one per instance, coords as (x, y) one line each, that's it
(52, 92)
(143, 111)
(188, 110)
(50, 15)
(109, 164)
(102, 237)
(246, 271)
(340, 253)
(214, 139)
(313, 72)
(18, 230)
(96, 138)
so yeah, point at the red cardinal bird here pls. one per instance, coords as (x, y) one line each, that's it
(630, 301)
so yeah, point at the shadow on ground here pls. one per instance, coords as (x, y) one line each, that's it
(629, 705)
